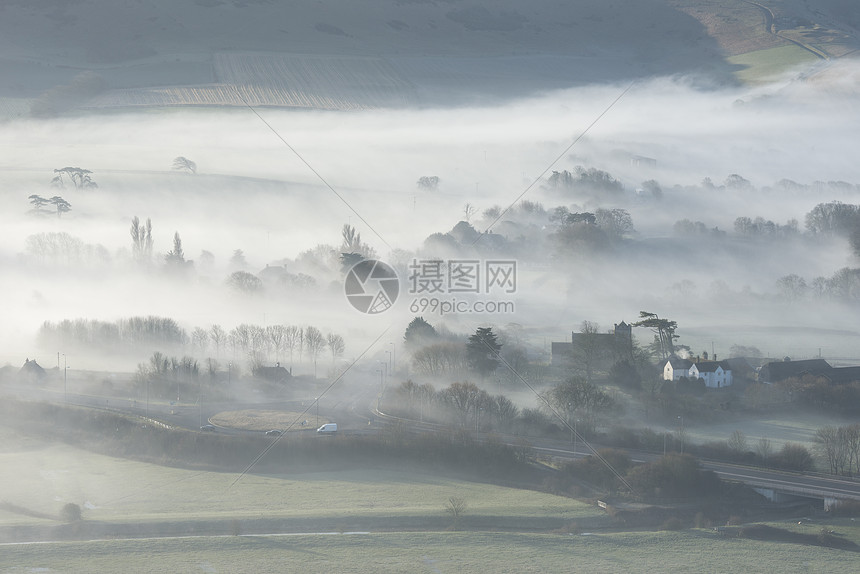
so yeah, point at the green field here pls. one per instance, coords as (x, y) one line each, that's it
(140, 517)
(40, 478)
(762, 65)
(497, 552)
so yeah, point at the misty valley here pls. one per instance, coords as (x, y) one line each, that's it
(429, 286)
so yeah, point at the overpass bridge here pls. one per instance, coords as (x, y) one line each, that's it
(782, 486)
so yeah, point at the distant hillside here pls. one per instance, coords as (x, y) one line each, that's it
(427, 47)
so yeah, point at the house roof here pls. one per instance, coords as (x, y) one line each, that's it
(781, 370)
(841, 375)
(739, 364)
(711, 366)
(31, 369)
(678, 363)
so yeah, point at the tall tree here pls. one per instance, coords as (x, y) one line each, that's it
(141, 239)
(61, 204)
(218, 336)
(292, 337)
(576, 397)
(419, 333)
(200, 339)
(38, 202)
(276, 334)
(336, 346)
(664, 331)
(79, 177)
(466, 399)
(314, 343)
(482, 351)
(351, 243)
(176, 255)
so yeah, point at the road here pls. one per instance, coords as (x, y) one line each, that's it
(352, 420)
(815, 485)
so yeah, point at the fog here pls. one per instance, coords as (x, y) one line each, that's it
(251, 192)
(651, 156)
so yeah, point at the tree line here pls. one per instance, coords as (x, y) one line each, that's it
(256, 343)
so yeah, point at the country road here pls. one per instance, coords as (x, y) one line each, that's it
(770, 26)
(352, 421)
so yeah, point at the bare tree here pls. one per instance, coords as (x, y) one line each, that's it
(764, 449)
(241, 335)
(258, 341)
(315, 343)
(276, 335)
(468, 211)
(335, 345)
(218, 336)
(737, 443)
(832, 447)
(466, 398)
(200, 339)
(456, 507)
(292, 339)
(141, 239)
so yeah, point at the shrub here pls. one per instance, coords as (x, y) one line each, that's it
(793, 456)
(677, 475)
(70, 512)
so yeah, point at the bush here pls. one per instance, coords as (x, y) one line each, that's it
(793, 456)
(598, 472)
(676, 475)
(70, 513)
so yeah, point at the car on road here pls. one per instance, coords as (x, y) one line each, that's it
(328, 428)
(208, 428)
(274, 432)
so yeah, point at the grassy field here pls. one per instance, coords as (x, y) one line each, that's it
(778, 429)
(762, 65)
(687, 551)
(141, 517)
(263, 420)
(40, 478)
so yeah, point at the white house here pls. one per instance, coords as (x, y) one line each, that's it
(675, 368)
(715, 374)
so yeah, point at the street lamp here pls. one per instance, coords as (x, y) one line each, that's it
(65, 380)
(572, 431)
(317, 400)
(393, 355)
